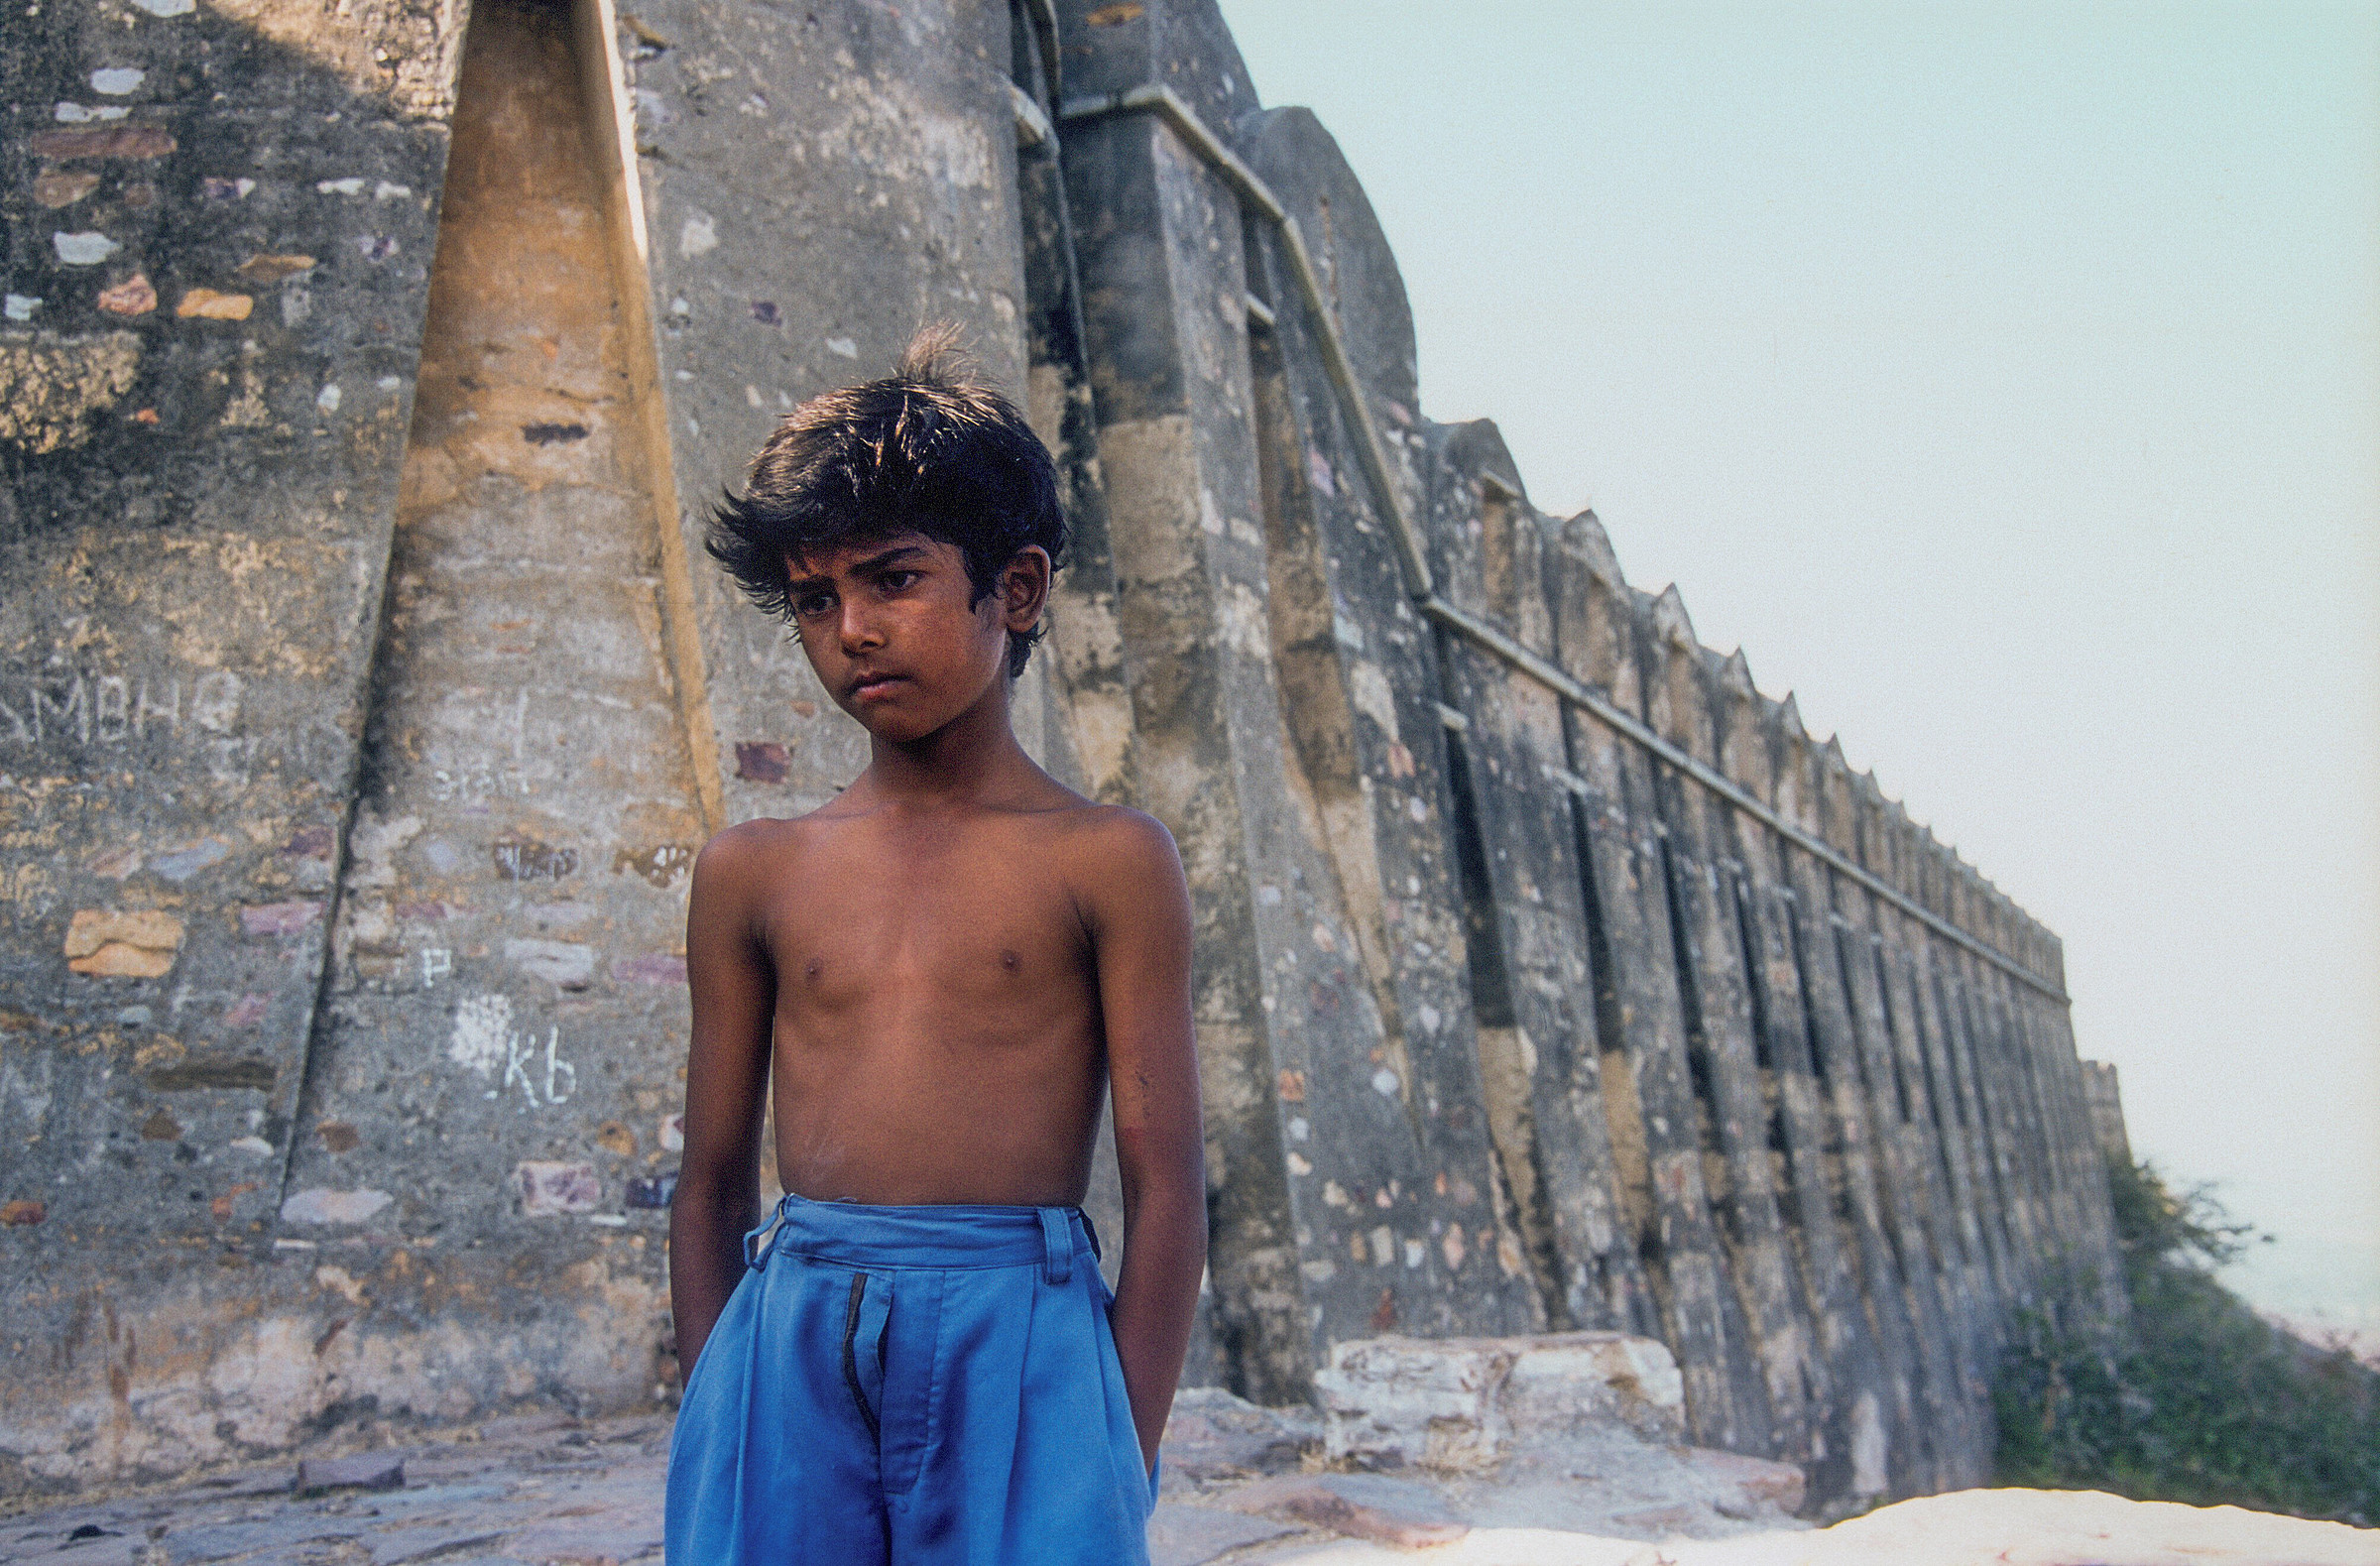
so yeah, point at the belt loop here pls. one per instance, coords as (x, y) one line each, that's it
(1057, 1241)
(756, 1250)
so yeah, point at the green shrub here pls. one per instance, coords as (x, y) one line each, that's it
(2194, 1398)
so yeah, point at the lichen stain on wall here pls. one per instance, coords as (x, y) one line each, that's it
(402, 55)
(52, 384)
(235, 624)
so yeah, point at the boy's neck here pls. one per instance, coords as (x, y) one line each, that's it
(972, 759)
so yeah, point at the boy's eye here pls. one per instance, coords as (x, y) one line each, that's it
(813, 604)
(895, 581)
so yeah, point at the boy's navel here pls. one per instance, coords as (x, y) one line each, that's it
(1010, 960)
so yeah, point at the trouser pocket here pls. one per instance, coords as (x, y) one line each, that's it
(1121, 1427)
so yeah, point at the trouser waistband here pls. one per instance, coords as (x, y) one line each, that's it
(855, 1234)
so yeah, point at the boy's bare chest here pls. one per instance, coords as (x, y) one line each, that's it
(976, 920)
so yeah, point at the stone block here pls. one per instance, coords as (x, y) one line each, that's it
(613, 1534)
(1463, 1405)
(1184, 1536)
(363, 1471)
(1780, 1484)
(320, 1205)
(1562, 1382)
(653, 1193)
(1360, 1505)
(1659, 1519)
(548, 1187)
(1213, 1435)
(110, 946)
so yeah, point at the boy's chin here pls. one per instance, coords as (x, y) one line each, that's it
(895, 727)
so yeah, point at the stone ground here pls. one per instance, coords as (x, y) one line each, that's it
(1242, 1490)
(531, 1490)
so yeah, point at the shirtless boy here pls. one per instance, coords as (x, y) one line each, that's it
(931, 981)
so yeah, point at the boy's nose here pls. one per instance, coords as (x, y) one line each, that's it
(859, 632)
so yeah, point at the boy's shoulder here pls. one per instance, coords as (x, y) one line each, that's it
(760, 838)
(1105, 855)
(1062, 819)
(742, 862)
(1111, 832)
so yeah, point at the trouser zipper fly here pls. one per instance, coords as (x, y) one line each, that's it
(851, 1356)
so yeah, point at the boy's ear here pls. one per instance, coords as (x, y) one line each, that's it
(1024, 588)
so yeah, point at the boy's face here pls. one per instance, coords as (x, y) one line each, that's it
(889, 630)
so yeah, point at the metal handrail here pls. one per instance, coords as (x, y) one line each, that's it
(1413, 563)
(1582, 695)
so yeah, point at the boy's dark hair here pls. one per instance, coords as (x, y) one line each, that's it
(931, 448)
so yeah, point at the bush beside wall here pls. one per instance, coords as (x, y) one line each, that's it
(2197, 1400)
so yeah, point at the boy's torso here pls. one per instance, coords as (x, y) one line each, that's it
(936, 1031)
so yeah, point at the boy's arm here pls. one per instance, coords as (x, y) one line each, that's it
(734, 992)
(1140, 929)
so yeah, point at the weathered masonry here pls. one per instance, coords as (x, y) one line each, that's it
(364, 695)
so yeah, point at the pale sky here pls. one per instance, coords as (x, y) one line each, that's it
(2005, 380)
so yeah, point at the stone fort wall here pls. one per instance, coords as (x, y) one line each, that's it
(365, 694)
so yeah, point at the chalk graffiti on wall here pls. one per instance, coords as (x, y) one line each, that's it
(109, 709)
(530, 860)
(477, 786)
(485, 1040)
(202, 714)
(474, 774)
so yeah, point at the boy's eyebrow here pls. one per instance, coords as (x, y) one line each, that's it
(889, 557)
(874, 562)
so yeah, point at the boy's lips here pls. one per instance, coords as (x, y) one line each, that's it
(875, 685)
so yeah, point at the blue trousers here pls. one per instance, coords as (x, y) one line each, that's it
(906, 1385)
